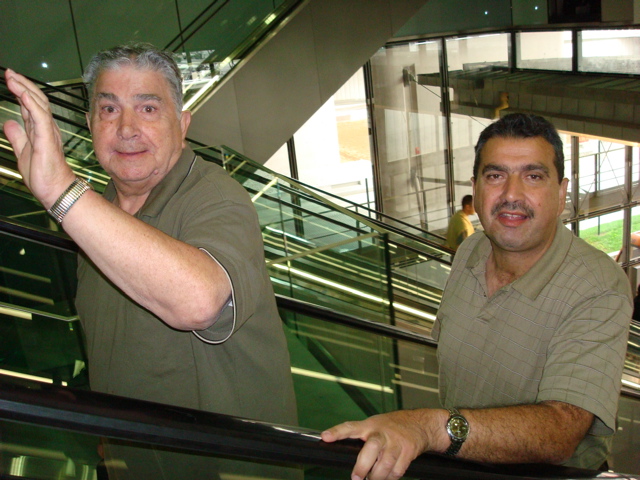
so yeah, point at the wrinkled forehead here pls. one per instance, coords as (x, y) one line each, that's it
(509, 153)
(120, 82)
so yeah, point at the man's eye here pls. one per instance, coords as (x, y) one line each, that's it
(108, 109)
(148, 109)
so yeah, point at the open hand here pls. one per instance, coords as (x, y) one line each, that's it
(38, 145)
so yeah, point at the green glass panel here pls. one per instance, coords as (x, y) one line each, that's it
(209, 47)
(36, 278)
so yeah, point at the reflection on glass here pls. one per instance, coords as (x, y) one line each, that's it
(43, 453)
(545, 50)
(323, 254)
(602, 173)
(358, 373)
(411, 133)
(471, 60)
(216, 41)
(478, 52)
(614, 51)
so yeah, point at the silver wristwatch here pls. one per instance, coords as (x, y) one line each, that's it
(458, 430)
(65, 201)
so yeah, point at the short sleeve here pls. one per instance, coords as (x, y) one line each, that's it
(586, 357)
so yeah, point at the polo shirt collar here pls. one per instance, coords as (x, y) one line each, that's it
(532, 282)
(165, 190)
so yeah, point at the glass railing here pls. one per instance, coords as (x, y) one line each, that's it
(359, 367)
(320, 252)
(218, 38)
(62, 441)
(354, 366)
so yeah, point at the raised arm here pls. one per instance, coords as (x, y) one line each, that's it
(178, 282)
(548, 432)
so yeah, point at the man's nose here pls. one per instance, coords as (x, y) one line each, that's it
(513, 188)
(128, 126)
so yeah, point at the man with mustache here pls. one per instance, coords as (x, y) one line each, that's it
(532, 330)
(173, 294)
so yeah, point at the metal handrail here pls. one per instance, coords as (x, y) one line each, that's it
(190, 430)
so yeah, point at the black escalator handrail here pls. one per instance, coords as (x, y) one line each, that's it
(362, 324)
(59, 118)
(101, 414)
(319, 195)
(40, 235)
(198, 18)
(46, 87)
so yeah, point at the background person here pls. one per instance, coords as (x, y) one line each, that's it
(460, 226)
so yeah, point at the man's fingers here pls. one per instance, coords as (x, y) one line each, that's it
(368, 458)
(342, 431)
(18, 84)
(41, 130)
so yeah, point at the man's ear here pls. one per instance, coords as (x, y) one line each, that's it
(88, 117)
(562, 197)
(185, 121)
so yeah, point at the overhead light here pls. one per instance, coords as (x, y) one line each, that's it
(45, 65)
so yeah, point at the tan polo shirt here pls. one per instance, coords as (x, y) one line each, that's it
(557, 333)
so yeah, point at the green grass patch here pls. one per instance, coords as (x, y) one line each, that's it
(608, 237)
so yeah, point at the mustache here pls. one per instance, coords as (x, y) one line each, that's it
(513, 207)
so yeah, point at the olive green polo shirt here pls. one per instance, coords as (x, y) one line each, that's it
(240, 366)
(557, 333)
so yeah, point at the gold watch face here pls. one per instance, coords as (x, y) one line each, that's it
(458, 427)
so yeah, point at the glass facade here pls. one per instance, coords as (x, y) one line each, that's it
(610, 51)
(427, 118)
(332, 149)
(545, 50)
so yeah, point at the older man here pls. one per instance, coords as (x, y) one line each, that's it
(173, 292)
(531, 332)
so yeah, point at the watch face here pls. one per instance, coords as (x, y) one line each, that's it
(458, 427)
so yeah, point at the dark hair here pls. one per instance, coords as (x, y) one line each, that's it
(521, 125)
(138, 55)
(467, 200)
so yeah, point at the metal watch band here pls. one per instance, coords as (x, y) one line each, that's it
(456, 442)
(65, 201)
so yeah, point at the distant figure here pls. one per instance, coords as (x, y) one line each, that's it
(460, 226)
(636, 305)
